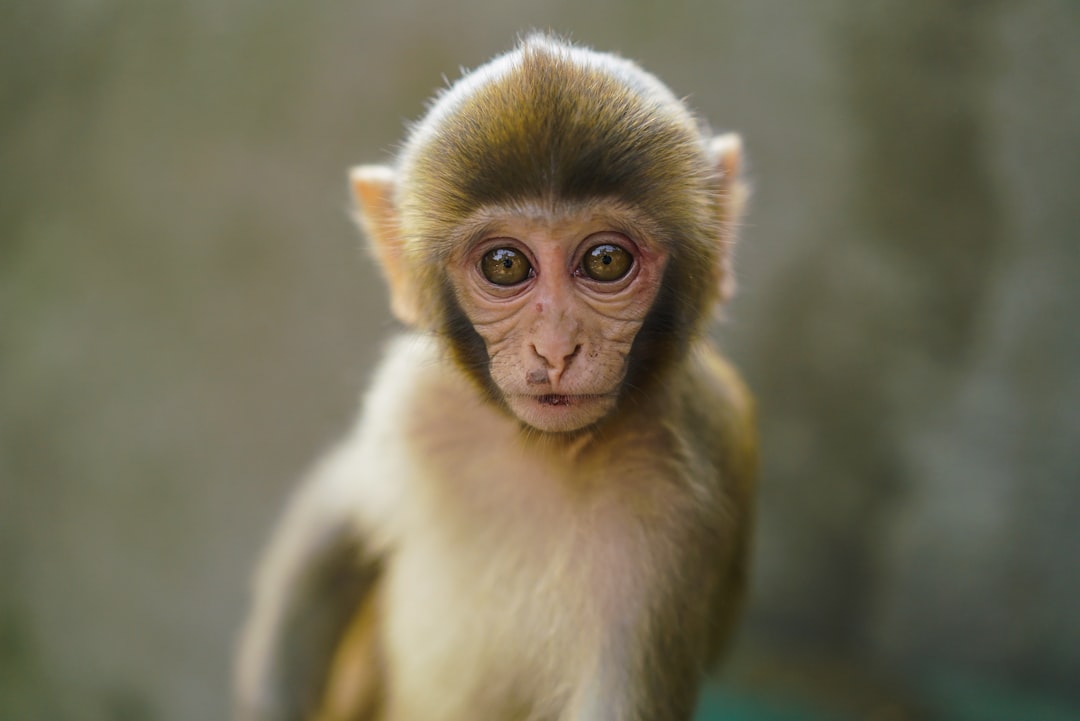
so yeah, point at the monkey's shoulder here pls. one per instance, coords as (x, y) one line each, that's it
(712, 378)
(421, 412)
(419, 388)
(718, 412)
(370, 469)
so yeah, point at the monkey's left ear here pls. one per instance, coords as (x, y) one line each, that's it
(726, 153)
(373, 188)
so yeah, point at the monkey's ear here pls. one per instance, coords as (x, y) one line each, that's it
(373, 188)
(726, 153)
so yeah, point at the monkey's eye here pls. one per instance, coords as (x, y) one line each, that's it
(505, 266)
(606, 262)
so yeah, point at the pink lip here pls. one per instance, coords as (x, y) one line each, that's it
(558, 399)
(554, 399)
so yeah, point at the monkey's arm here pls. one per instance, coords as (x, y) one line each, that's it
(312, 582)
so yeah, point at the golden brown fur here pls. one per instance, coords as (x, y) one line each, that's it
(544, 511)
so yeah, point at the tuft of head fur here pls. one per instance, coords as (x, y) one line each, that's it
(552, 122)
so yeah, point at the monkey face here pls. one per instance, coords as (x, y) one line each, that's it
(530, 218)
(558, 298)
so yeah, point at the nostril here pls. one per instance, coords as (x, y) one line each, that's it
(553, 359)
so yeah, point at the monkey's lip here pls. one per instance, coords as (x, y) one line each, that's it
(566, 399)
(561, 412)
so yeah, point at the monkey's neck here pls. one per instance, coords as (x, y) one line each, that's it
(570, 446)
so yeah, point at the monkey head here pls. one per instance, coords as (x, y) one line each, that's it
(561, 220)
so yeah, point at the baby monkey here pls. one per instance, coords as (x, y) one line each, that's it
(543, 513)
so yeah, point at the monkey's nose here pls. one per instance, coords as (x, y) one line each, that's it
(556, 362)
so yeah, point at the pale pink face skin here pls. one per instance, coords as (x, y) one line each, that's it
(558, 340)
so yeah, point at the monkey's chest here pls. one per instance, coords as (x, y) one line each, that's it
(505, 609)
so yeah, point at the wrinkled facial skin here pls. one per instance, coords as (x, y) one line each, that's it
(557, 299)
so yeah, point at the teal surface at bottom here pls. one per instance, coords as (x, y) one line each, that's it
(943, 697)
(718, 704)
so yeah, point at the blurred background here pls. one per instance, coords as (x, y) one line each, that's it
(187, 318)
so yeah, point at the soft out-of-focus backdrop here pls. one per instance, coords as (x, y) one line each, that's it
(187, 318)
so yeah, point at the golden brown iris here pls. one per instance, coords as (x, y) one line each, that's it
(606, 262)
(505, 266)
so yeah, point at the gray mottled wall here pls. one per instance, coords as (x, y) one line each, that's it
(186, 316)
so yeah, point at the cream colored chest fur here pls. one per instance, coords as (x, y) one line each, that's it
(499, 570)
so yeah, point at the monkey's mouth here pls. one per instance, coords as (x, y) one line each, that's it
(554, 399)
(560, 412)
(560, 399)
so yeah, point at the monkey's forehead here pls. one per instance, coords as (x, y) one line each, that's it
(549, 120)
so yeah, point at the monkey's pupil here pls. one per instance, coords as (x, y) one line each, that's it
(606, 260)
(508, 263)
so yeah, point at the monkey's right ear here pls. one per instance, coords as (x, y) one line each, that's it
(373, 188)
